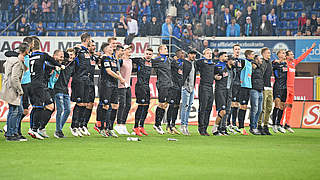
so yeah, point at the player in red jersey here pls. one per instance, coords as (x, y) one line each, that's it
(292, 63)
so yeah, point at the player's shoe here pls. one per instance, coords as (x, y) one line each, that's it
(82, 131)
(158, 129)
(266, 130)
(254, 131)
(103, 133)
(229, 129)
(22, 138)
(244, 132)
(43, 133)
(288, 128)
(5, 128)
(217, 133)
(112, 133)
(85, 129)
(124, 130)
(183, 130)
(118, 129)
(36, 135)
(74, 132)
(30, 132)
(79, 132)
(275, 128)
(281, 129)
(143, 131)
(96, 128)
(236, 129)
(169, 130)
(174, 130)
(137, 131)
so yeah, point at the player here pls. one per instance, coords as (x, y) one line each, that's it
(206, 68)
(162, 66)
(292, 63)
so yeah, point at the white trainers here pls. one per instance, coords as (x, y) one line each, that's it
(158, 129)
(5, 128)
(74, 132)
(79, 132)
(118, 128)
(183, 130)
(124, 130)
(82, 131)
(103, 133)
(85, 129)
(43, 133)
(275, 128)
(35, 135)
(288, 128)
(113, 133)
(281, 129)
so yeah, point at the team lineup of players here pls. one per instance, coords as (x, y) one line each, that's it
(237, 80)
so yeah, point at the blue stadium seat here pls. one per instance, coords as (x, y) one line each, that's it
(116, 17)
(287, 6)
(123, 1)
(298, 14)
(33, 26)
(51, 26)
(108, 26)
(2, 25)
(79, 26)
(114, 1)
(32, 33)
(71, 33)
(60, 26)
(52, 33)
(109, 33)
(123, 8)
(283, 33)
(100, 34)
(69, 26)
(107, 8)
(79, 33)
(115, 8)
(98, 26)
(92, 34)
(316, 6)
(12, 27)
(4, 34)
(12, 33)
(298, 6)
(61, 33)
(291, 15)
(89, 26)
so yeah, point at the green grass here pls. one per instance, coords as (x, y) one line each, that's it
(281, 156)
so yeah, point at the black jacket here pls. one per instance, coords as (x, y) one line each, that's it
(61, 86)
(187, 66)
(257, 78)
(267, 72)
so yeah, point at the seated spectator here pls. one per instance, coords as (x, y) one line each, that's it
(318, 22)
(233, 29)
(46, 5)
(306, 27)
(155, 27)
(198, 31)
(40, 30)
(263, 8)
(248, 28)
(298, 33)
(209, 30)
(23, 27)
(120, 28)
(166, 30)
(273, 19)
(317, 33)
(35, 13)
(143, 27)
(145, 10)
(16, 9)
(265, 28)
(302, 21)
(132, 30)
(204, 7)
(189, 29)
(313, 19)
(132, 10)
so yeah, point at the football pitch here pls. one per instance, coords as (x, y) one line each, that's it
(281, 156)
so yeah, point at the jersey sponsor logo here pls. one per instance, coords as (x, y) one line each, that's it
(292, 70)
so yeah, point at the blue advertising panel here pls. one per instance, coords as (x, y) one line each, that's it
(255, 45)
(302, 45)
